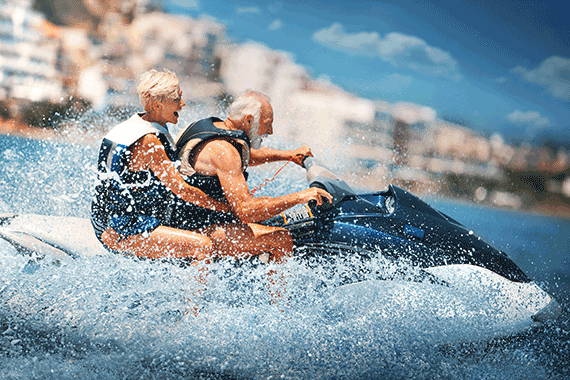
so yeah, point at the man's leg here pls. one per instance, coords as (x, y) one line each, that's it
(245, 240)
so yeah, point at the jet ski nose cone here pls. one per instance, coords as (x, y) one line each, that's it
(549, 313)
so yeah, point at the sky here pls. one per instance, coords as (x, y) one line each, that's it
(500, 65)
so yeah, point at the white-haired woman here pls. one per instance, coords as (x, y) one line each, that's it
(139, 182)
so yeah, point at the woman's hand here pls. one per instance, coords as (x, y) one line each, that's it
(149, 153)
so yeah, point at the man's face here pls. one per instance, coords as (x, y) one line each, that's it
(261, 127)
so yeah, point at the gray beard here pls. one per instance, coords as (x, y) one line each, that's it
(255, 142)
(254, 137)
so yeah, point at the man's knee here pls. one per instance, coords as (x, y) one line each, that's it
(287, 240)
(282, 241)
(204, 252)
(219, 234)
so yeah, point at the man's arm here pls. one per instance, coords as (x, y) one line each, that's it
(149, 153)
(265, 155)
(222, 159)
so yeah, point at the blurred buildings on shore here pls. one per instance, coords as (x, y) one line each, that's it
(102, 46)
(28, 60)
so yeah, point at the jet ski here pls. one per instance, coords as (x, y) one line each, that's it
(393, 227)
(401, 228)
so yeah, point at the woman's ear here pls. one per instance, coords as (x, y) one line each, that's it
(157, 106)
(152, 107)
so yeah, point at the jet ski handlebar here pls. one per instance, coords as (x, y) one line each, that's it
(320, 176)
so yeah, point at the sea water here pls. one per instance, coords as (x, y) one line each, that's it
(111, 317)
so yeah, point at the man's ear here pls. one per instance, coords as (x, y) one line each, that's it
(248, 120)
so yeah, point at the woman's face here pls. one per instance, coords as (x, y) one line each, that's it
(169, 110)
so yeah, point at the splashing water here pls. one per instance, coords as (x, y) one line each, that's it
(115, 317)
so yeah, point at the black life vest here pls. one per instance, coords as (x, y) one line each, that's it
(191, 140)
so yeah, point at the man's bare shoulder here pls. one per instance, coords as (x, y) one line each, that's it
(220, 154)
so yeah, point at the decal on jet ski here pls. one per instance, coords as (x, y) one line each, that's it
(414, 231)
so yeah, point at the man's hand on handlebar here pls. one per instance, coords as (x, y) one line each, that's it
(300, 154)
(317, 195)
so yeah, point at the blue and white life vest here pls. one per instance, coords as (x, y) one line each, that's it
(130, 202)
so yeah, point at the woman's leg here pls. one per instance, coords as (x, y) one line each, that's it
(162, 243)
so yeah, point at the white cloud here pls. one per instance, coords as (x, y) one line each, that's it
(359, 44)
(276, 24)
(398, 49)
(248, 10)
(553, 73)
(529, 118)
(519, 70)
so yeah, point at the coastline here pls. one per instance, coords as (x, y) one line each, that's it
(65, 133)
(13, 128)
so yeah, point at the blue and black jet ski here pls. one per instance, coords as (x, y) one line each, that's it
(395, 222)
(401, 228)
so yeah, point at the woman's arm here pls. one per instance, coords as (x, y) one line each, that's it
(149, 153)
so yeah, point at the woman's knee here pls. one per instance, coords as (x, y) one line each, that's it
(110, 239)
(204, 249)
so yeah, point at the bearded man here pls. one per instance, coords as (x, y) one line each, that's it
(214, 156)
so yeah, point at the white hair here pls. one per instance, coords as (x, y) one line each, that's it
(157, 86)
(249, 103)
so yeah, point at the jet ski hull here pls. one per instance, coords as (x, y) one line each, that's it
(400, 227)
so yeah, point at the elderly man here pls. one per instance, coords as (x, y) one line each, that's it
(215, 154)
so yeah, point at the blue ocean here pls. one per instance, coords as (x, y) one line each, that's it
(112, 317)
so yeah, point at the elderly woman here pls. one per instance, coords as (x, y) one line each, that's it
(139, 182)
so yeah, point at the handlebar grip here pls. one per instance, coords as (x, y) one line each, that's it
(313, 204)
(304, 162)
(318, 185)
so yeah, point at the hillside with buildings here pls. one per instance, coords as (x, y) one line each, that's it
(54, 58)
